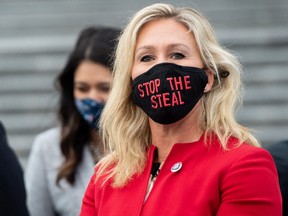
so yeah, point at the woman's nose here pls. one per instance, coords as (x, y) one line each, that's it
(94, 94)
(162, 59)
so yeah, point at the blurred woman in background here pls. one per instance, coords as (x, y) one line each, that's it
(62, 159)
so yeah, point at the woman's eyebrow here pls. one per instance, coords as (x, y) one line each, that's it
(178, 45)
(144, 47)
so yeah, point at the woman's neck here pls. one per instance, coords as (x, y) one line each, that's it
(165, 136)
(165, 139)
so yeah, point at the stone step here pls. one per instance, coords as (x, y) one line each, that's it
(41, 15)
(28, 83)
(248, 37)
(22, 143)
(52, 43)
(260, 74)
(268, 115)
(28, 102)
(27, 122)
(36, 63)
(262, 55)
(266, 94)
(269, 135)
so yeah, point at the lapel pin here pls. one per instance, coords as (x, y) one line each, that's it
(176, 167)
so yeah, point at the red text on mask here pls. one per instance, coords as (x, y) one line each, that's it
(176, 83)
(150, 87)
(165, 99)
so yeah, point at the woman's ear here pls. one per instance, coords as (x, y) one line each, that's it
(210, 75)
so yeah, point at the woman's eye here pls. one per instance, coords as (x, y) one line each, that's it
(177, 56)
(104, 89)
(82, 89)
(146, 58)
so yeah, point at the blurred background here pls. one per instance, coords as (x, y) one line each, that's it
(37, 35)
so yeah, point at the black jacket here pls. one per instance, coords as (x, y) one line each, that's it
(12, 189)
(279, 152)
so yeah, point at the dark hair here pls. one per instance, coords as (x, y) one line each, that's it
(96, 44)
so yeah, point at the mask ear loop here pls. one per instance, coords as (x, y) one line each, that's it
(222, 74)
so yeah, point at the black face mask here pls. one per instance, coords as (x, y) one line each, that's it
(168, 92)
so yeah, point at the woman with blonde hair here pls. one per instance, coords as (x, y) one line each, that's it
(174, 145)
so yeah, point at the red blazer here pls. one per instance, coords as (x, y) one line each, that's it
(239, 182)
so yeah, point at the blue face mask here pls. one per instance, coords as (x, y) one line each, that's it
(90, 110)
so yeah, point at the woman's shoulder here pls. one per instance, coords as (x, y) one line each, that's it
(245, 155)
(238, 153)
(245, 149)
(47, 140)
(46, 150)
(49, 133)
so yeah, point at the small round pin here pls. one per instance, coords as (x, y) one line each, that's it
(176, 167)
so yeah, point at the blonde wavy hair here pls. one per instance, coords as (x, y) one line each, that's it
(124, 126)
